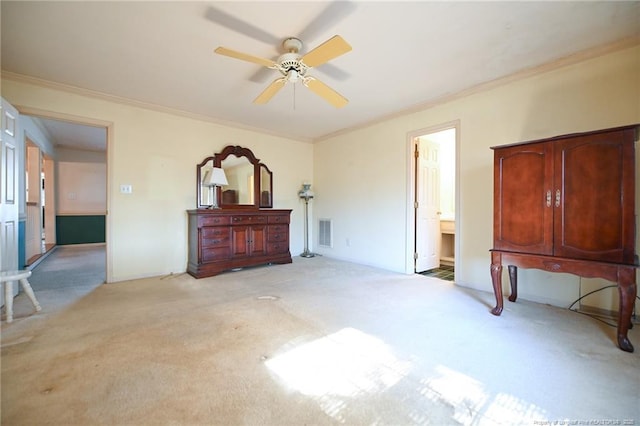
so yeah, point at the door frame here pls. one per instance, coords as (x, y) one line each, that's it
(32, 166)
(75, 119)
(411, 191)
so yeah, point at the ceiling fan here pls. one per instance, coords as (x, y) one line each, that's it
(294, 67)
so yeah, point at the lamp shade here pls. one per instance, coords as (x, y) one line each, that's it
(306, 191)
(215, 178)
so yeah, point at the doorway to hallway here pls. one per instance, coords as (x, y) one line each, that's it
(66, 183)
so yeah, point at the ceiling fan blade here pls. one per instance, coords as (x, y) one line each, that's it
(326, 92)
(244, 57)
(328, 50)
(240, 26)
(270, 91)
(333, 13)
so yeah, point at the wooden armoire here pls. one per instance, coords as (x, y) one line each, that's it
(566, 204)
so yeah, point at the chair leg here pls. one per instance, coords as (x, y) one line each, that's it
(8, 300)
(29, 291)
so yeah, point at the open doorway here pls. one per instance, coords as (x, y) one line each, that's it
(434, 197)
(40, 236)
(66, 185)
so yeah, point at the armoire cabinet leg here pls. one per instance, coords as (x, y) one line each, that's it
(627, 290)
(513, 279)
(496, 279)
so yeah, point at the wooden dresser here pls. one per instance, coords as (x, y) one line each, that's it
(566, 204)
(223, 239)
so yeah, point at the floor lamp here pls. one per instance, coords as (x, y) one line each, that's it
(306, 194)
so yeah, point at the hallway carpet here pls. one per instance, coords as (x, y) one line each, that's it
(315, 342)
(68, 273)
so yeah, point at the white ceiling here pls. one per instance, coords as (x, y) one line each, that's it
(65, 134)
(405, 54)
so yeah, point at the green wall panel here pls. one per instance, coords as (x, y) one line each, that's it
(80, 229)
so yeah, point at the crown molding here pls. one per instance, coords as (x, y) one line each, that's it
(565, 61)
(21, 78)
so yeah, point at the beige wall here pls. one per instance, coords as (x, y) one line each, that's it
(81, 185)
(361, 178)
(81, 188)
(157, 154)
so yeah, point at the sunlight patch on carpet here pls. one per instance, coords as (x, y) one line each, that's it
(345, 363)
(472, 405)
(345, 369)
(337, 369)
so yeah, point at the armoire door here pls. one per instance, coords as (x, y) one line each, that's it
(594, 200)
(523, 204)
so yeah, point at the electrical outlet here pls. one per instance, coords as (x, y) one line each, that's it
(126, 189)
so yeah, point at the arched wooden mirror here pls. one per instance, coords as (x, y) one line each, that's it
(266, 186)
(204, 194)
(249, 182)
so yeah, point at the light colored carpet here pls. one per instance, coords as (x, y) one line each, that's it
(316, 342)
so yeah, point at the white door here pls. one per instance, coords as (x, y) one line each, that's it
(8, 191)
(428, 205)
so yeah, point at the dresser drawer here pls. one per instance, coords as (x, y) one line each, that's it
(276, 248)
(215, 236)
(247, 220)
(206, 220)
(212, 254)
(279, 219)
(278, 229)
(278, 236)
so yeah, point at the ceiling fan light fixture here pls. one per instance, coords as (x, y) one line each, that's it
(291, 62)
(293, 76)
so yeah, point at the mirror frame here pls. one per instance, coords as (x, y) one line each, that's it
(199, 168)
(258, 168)
(264, 170)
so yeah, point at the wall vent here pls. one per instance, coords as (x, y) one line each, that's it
(325, 239)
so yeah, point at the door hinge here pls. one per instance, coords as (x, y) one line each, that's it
(415, 256)
(415, 204)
